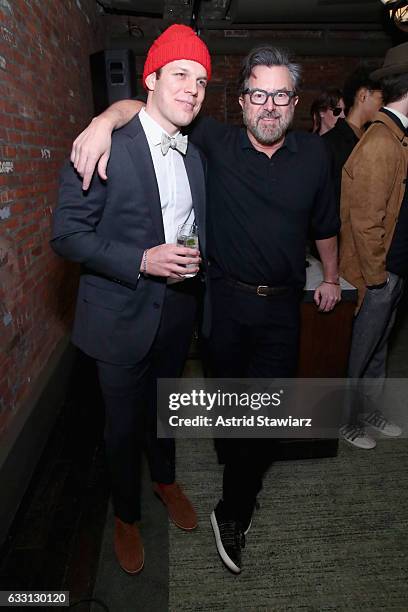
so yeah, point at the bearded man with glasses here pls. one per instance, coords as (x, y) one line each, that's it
(266, 187)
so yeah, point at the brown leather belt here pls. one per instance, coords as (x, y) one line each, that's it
(262, 290)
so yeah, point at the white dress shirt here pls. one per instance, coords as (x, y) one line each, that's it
(401, 117)
(174, 188)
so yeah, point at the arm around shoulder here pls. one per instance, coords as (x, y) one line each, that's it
(92, 147)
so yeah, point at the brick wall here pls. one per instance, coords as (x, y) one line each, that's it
(45, 100)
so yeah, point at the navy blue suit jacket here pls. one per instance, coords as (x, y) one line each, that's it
(107, 229)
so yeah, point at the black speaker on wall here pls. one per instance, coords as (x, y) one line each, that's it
(113, 74)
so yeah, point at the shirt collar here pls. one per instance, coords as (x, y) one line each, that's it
(289, 142)
(400, 116)
(152, 129)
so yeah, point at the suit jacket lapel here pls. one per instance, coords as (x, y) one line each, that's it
(140, 153)
(195, 173)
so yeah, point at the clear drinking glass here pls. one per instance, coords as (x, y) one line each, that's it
(187, 236)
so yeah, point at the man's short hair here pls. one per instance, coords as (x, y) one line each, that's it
(394, 87)
(359, 78)
(269, 56)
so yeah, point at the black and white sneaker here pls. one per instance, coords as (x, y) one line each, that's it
(356, 435)
(380, 423)
(229, 538)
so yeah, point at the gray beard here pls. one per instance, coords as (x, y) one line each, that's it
(268, 134)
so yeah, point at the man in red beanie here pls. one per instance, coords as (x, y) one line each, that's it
(136, 307)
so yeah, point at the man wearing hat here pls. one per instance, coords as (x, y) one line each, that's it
(135, 309)
(374, 245)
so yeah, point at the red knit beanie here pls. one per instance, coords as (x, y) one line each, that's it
(175, 43)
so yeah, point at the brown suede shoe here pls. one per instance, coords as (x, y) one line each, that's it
(128, 547)
(180, 509)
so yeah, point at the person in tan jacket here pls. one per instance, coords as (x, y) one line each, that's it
(374, 245)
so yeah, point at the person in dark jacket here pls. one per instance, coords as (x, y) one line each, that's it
(326, 110)
(136, 305)
(363, 98)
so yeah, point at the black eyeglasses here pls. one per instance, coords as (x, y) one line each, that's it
(279, 97)
(337, 110)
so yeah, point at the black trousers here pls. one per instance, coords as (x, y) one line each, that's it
(130, 397)
(252, 336)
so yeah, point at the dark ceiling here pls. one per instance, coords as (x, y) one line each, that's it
(238, 12)
(230, 26)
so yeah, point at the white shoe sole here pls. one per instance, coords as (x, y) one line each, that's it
(221, 550)
(383, 433)
(372, 444)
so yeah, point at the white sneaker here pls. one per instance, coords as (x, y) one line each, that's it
(356, 436)
(377, 421)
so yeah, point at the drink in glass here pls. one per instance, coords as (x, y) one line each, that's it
(187, 236)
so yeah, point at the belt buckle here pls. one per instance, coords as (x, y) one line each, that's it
(259, 290)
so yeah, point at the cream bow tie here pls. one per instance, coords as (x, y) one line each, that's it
(179, 143)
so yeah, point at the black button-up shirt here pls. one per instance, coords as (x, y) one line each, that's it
(260, 209)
